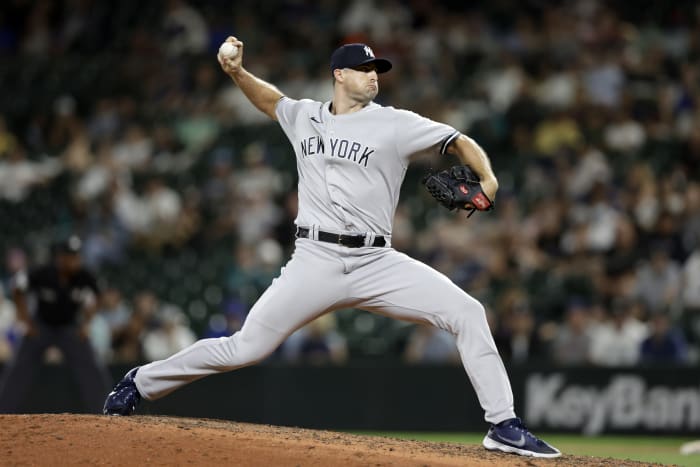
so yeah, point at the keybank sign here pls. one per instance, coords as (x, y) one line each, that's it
(626, 402)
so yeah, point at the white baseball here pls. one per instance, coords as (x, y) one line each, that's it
(228, 50)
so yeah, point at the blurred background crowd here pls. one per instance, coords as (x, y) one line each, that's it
(117, 124)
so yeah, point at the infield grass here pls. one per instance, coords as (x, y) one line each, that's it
(657, 449)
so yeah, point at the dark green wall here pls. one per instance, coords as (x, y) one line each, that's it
(397, 397)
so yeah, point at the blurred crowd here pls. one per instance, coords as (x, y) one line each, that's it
(118, 125)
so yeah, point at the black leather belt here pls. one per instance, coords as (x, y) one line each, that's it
(350, 241)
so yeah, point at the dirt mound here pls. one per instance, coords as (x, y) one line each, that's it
(67, 439)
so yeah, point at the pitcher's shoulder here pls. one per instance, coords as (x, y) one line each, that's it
(387, 111)
(299, 102)
(398, 116)
(289, 109)
(390, 110)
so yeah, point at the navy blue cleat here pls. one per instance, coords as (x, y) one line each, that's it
(512, 436)
(124, 397)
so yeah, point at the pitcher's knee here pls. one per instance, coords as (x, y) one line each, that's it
(468, 314)
(477, 309)
(243, 352)
(251, 354)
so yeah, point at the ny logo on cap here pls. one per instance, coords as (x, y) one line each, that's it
(369, 52)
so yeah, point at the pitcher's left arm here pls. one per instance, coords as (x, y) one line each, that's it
(470, 153)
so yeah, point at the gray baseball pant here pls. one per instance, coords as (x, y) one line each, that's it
(322, 277)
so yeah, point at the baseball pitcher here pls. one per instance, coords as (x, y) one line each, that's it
(352, 155)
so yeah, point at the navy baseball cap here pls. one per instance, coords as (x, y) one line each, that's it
(354, 55)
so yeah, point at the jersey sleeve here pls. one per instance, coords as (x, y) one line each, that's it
(416, 134)
(288, 111)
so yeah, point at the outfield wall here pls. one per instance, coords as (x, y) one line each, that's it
(394, 397)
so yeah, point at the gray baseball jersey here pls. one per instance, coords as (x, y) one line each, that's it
(351, 166)
(350, 171)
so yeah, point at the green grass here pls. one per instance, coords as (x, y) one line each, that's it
(658, 449)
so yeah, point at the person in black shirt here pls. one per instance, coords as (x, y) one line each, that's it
(65, 295)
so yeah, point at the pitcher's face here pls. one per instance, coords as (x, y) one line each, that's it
(361, 83)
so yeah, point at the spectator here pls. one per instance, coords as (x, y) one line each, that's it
(8, 141)
(106, 237)
(624, 134)
(593, 224)
(77, 156)
(37, 39)
(127, 340)
(664, 345)
(105, 122)
(15, 263)
(253, 269)
(691, 283)
(558, 88)
(617, 341)
(100, 338)
(430, 345)
(152, 218)
(18, 175)
(163, 207)
(184, 28)
(218, 191)
(98, 178)
(591, 168)
(113, 310)
(603, 79)
(285, 229)
(133, 151)
(7, 325)
(517, 338)
(257, 179)
(168, 154)
(558, 133)
(690, 230)
(226, 323)
(658, 280)
(572, 342)
(197, 129)
(170, 337)
(317, 343)
(691, 298)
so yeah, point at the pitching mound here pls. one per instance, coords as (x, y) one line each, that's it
(67, 439)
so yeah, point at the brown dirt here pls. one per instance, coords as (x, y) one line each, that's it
(66, 439)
